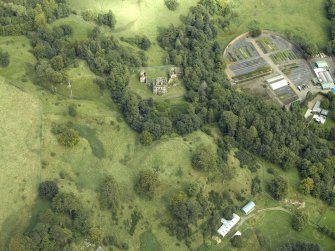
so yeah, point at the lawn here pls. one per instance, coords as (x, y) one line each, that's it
(305, 18)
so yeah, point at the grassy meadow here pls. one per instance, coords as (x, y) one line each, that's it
(305, 18)
(20, 130)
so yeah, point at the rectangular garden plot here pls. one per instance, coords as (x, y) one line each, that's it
(241, 51)
(267, 45)
(283, 56)
(299, 73)
(246, 67)
(280, 43)
(286, 95)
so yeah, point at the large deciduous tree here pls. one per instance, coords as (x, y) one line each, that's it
(48, 189)
(146, 183)
(278, 188)
(109, 194)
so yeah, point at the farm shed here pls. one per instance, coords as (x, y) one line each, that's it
(227, 225)
(248, 207)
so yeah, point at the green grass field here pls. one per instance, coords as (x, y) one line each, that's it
(279, 231)
(305, 18)
(136, 17)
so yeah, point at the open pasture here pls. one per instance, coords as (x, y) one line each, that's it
(136, 16)
(20, 131)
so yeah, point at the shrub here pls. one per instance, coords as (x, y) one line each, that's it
(299, 221)
(237, 241)
(4, 58)
(171, 4)
(146, 138)
(203, 159)
(72, 110)
(278, 188)
(69, 137)
(109, 193)
(146, 184)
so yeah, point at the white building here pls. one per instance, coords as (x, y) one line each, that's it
(227, 225)
(279, 84)
(275, 79)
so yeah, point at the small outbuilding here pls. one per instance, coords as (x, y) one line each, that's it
(248, 207)
(238, 233)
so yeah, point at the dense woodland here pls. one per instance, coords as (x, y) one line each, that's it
(247, 123)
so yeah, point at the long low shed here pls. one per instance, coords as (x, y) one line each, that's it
(274, 79)
(279, 84)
